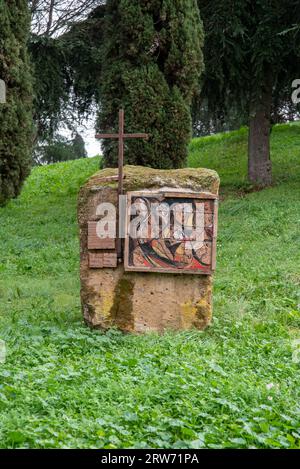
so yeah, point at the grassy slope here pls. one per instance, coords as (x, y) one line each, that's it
(65, 386)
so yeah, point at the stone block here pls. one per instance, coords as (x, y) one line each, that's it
(141, 301)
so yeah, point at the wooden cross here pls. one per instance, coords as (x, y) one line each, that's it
(121, 136)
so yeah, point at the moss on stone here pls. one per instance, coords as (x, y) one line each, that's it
(121, 312)
(139, 177)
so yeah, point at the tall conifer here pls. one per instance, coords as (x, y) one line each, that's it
(15, 114)
(152, 61)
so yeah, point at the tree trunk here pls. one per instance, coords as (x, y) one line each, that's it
(259, 162)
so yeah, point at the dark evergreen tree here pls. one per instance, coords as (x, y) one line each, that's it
(151, 64)
(67, 73)
(15, 114)
(79, 146)
(251, 58)
(58, 149)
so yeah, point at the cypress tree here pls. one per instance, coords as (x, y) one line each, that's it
(151, 65)
(15, 114)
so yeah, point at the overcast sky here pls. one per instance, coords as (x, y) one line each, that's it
(93, 146)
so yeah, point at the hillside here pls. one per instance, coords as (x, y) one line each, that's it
(235, 385)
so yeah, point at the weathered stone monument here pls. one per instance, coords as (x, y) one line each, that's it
(148, 247)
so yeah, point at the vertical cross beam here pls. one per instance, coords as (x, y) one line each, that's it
(121, 151)
(121, 136)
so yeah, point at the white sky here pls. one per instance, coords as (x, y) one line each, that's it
(87, 131)
(92, 145)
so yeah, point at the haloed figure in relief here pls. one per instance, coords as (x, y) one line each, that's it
(171, 234)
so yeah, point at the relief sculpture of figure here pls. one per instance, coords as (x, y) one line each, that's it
(175, 245)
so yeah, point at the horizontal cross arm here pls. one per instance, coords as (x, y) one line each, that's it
(107, 136)
(136, 136)
(116, 136)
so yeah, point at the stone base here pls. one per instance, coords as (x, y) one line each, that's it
(136, 301)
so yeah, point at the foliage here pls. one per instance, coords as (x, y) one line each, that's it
(163, 77)
(205, 122)
(152, 62)
(60, 149)
(67, 73)
(15, 114)
(51, 18)
(250, 66)
(248, 44)
(235, 385)
(85, 40)
(79, 146)
(227, 154)
(52, 84)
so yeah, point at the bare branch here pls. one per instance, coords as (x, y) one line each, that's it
(50, 17)
(54, 17)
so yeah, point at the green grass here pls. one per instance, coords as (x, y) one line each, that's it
(234, 385)
(227, 154)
